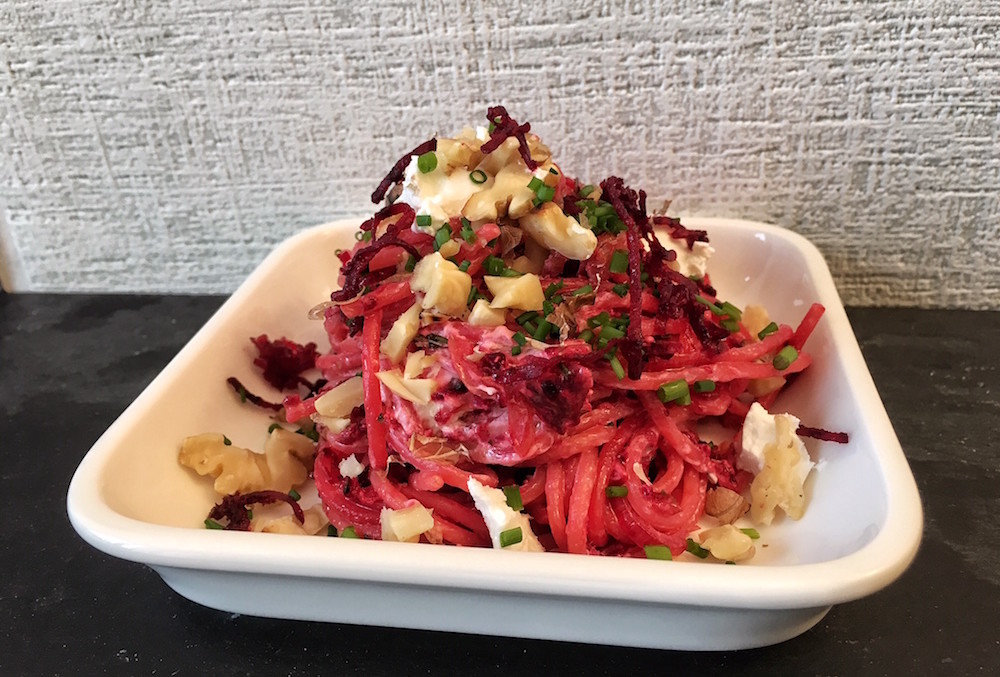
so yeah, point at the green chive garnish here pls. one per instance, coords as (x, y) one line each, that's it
(620, 289)
(542, 332)
(545, 193)
(441, 236)
(696, 550)
(424, 220)
(513, 494)
(212, 524)
(730, 325)
(515, 350)
(658, 552)
(586, 335)
(551, 290)
(349, 532)
(477, 176)
(616, 491)
(331, 530)
(535, 184)
(467, 233)
(751, 532)
(619, 262)
(704, 386)
(585, 289)
(411, 263)
(464, 266)
(519, 338)
(716, 310)
(767, 331)
(226, 441)
(616, 366)
(552, 170)
(731, 310)
(510, 537)
(294, 495)
(427, 162)
(587, 190)
(785, 357)
(674, 391)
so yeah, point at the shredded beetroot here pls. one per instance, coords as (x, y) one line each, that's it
(233, 508)
(505, 127)
(678, 232)
(820, 434)
(283, 361)
(245, 394)
(356, 272)
(395, 174)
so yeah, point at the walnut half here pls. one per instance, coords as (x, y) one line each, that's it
(725, 505)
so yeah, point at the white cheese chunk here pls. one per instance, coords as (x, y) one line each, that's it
(760, 429)
(499, 517)
(351, 467)
(690, 262)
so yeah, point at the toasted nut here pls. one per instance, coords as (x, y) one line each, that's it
(524, 292)
(398, 339)
(727, 543)
(725, 505)
(446, 288)
(484, 316)
(508, 194)
(549, 226)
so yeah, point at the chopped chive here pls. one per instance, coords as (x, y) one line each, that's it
(411, 263)
(349, 532)
(294, 495)
(478, 176)
(785, 357)
(696, 550)
(751, 532)
(552, 170)
(427, 162)
(616, 366)
(729, 324)
(547, 308)
(524, 318)
(674, 391)
(558, 298)
(731, 310)
(551, 290)
(271, 428)
(767, 331)
(511, 537)
(599, 320)
(467, 233)
(473, 295)
(424, 220)
(586, 335)
(494, 265)
(587, 190)
(609, 333)
(249, 514)
(513, 494)
(658, 552)
(212, 524)
(704, 386)
(619, 261)
(716, 310)
(441, 236)
(620, 289)
(545, 193)
(543, 330)
(535, 184)
(515, 350)
(331, 530)
(464, 266)
(616, 491)
(519, 338)
(226, 441)
(585, 289)
(311, 433)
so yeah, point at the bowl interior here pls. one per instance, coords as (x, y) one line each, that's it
(141, 479)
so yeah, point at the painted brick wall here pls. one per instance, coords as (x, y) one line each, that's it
(170, 145)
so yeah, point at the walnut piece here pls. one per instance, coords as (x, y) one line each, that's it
(725, 505)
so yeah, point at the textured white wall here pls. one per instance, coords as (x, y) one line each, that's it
(170, 145)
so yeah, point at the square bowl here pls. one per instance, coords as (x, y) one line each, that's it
(132, 499)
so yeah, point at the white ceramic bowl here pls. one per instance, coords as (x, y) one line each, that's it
(131, 499)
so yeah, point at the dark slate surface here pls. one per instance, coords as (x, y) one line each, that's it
(70, 364)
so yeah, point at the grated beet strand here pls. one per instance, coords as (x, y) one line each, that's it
(505, 127)
(249, 396)
(820, 434)
(355, 271)
(233, 507)
(678, 232)
(395, 174)
(630, 208)
(282, 361)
